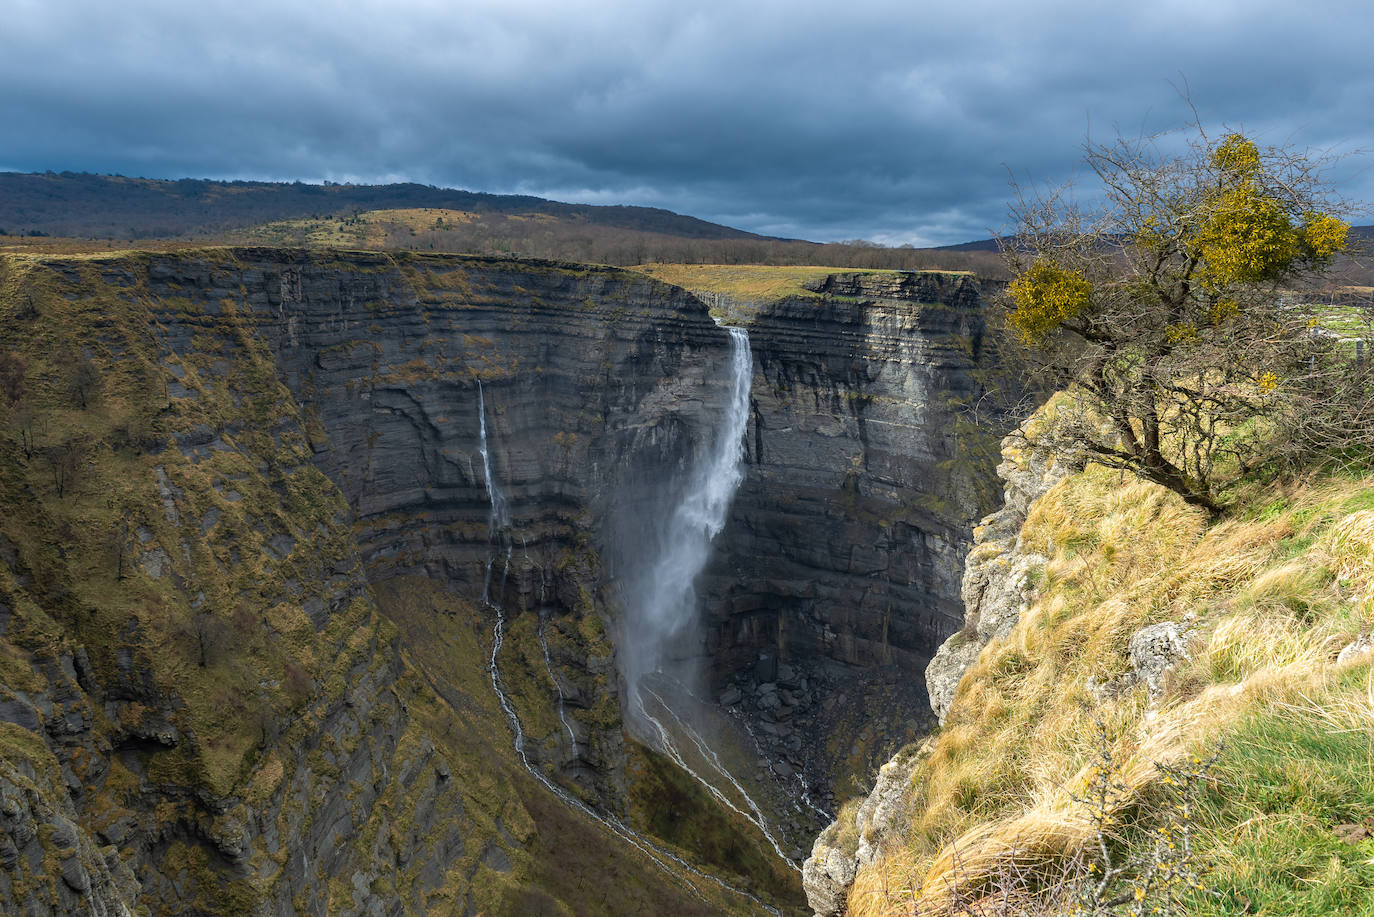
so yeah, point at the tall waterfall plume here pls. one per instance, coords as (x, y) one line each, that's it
(658, 591)
(502, 542)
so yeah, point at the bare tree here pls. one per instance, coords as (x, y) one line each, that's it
(1163, 310)
(12, 371)
(84, 381)
(64, 461)
(212, 635)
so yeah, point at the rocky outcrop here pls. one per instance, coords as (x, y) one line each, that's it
(879, 820)
(49, 862)
(997, 585)
(827, 875)
(998, 579)
(1156, 649)
(1355, 649)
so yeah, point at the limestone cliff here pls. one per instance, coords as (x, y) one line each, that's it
(250, 572)
(264, 686)
(998, 580)
(867, 466)
(996, 588)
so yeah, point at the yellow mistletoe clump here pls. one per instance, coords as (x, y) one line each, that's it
(1237, 155)
(1323, 236)
(1249, 235)
(1046, 296)
(1247, 238)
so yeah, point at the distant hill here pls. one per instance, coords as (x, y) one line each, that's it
(980, 245)
(99, 212)
(1363, 234)
(80, 204)
(72, 212)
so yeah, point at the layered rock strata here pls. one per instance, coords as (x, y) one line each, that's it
(252, 733)
(869, 457)
(275, 698)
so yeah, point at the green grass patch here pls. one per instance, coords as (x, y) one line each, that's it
(1286, 781)
(671, 805)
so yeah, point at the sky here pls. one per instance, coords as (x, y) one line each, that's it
(897, 122)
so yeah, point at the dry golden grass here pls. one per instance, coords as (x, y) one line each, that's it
(745, 281)
(372, 229)
(1270, 599)
(55, 245)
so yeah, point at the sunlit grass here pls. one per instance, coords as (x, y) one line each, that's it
(1271, 594)
(746, 281)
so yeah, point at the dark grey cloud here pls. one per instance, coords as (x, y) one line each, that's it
(879, 120)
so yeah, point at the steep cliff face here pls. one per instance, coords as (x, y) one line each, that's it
(998, 580)
(241, 685)
(997, 587)
(264, 508)
(586, 383)
(189, 638)
(866, 468)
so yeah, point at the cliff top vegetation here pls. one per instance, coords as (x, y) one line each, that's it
(1166, 312)
(756, 282)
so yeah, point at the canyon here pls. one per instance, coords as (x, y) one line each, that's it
(367, 642)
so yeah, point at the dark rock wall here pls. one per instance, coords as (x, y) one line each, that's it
(847, 536)
(843, 553)
(597, 385)
(592, 378)
(836, 576)
(324, 787)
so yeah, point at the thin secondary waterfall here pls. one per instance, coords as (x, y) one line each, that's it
(500, 516)
(669, 747)
(553, 677)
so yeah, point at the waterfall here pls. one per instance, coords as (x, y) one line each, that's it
(660, 600)
(500, 516)
(659, 594)
(548, 666)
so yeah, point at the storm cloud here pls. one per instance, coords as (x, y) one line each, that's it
(897, 122)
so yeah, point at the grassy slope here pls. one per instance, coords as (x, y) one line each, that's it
(1277, 589)
(563, 863)
(112, 502)
(377, 228)
(264, 667)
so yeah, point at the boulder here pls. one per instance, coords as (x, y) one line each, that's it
(1156, 649)
(1355, 649)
